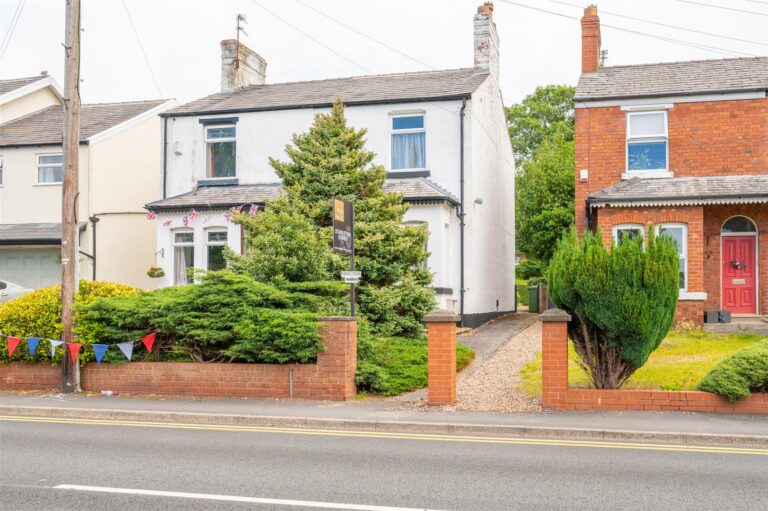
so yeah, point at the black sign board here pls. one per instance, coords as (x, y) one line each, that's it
(343, 227)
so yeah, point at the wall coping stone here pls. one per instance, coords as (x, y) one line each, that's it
(339, 318)
(442, 316)
(554, 316)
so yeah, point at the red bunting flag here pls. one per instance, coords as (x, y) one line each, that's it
(13, 342)
(74, 350)
(148, 341)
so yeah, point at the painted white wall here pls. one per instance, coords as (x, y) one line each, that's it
(28, 103)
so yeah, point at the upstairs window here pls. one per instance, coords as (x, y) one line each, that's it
(220, 151)
(408, 142)
(216, 240)
(647, 141)
(49, 169)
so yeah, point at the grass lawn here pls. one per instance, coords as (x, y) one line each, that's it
(401, 364)
(679, 363)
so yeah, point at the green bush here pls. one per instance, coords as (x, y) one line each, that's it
(739, 375)
(622, 301)
(38, 314)
(227, 317)
(521, 291)
(394, 365)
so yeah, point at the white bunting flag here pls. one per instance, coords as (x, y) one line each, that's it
(54, 345)
(126, 348)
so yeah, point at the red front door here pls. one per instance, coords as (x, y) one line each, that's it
(739, 275)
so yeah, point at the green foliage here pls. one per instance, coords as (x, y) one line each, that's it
(548, 112)
(394, 365)
(530, 269)
(521, 291)
(38, 314)
(226, 317)
(622, 301)
(739, 375)
(290, 242)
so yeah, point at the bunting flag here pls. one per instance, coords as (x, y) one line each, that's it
(74, 350)
(151, 215)
(167, 223)
(13, 342)
(228, 215)
(54, 345)
(32, 345)
(99, 350)
(148, 341)
(126, 348)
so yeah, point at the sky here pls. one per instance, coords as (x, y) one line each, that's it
(180, 39)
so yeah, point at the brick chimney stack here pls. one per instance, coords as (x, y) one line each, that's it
(240, 66)
(486, 41)
(590, 40)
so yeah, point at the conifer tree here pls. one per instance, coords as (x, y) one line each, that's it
(291, 240)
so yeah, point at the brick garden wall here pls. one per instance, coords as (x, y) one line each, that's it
(556, 394)
(331, 378)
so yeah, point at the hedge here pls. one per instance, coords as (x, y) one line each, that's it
(739, 375)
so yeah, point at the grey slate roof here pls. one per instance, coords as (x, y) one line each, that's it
(224, 197)
(32, 234)
(12, 84)
(45, 126)
(684, 191)
(371, 89)
(675, 79)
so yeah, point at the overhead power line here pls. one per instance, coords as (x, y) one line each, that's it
(676, 27)
(723, 7)
(363, 34)
(312, 38)
(11, 28)
(690, 44)
(143, 52)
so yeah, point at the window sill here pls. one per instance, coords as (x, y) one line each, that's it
(47, 184)
(692, 296)
(647, 174)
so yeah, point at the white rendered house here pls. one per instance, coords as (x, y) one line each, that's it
(441, 135)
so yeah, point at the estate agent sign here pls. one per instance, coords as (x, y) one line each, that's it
(344, 243)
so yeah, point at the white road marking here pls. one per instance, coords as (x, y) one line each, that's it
(235, 498)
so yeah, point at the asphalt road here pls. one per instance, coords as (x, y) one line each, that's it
(331, 470)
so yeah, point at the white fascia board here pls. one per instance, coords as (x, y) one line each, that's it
(43, 82)
(171, 103)
(640, 102)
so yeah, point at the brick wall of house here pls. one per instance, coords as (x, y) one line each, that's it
(331, 378)
(708, 138)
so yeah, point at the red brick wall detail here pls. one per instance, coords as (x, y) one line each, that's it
(556, 394)
(331, 378)
(441, 367)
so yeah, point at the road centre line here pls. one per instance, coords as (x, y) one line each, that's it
(395, 436)
(235, 498)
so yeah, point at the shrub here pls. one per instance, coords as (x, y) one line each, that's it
(739, 375)
(38, 314)
(521, 292)
(622, 301)
(226, 317)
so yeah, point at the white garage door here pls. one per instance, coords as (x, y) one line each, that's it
(30, 267)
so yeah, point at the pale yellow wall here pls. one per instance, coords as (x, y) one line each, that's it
(125, 249)
(32, 102)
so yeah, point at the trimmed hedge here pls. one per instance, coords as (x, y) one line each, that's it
(739, 375)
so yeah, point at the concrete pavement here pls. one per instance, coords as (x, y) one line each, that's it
(63, 466)
(383, 415)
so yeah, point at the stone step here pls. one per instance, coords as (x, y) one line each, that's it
(739, 325)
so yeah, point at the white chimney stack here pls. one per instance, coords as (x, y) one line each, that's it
(486, 41)
(240, 66)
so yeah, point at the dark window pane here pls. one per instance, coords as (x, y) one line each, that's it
(221, 159)
(647, 155)
(408, 123)
(216, 257)
(627, 234)
(217, 236)
(739, 224)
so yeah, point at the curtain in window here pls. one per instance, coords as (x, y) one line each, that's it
(49, 174)
(182, 260)
(408, 150)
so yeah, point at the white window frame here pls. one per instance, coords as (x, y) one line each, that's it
(49, 165)
(209, 243)
(656, 137)
(1, 171)
(393, 132)
(684, 226)
(626, 227)
(175, 244)
(216, 141)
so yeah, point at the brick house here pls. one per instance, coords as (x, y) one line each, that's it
(682, 146)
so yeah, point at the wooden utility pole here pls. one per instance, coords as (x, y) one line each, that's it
(70, 374)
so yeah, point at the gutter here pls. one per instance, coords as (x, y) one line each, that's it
(461, 209)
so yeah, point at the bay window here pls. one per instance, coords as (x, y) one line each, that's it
(679, 233)
(216, 240)
(624, 232)
(408, 142)
(183, 257)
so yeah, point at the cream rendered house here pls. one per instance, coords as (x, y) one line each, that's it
(120, 166)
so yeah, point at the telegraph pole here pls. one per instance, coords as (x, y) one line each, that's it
(70, 374)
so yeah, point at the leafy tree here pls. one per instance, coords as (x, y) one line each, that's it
(541, 129)
(548, 112)
(622, 301)
(291, 240)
